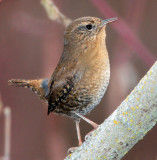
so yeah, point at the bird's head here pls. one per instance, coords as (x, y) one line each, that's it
(85, 30)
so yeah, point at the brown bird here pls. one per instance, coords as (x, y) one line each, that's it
(82, 74)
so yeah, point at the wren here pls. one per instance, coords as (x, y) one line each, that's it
(82, 75)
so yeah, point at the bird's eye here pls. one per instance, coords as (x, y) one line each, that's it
(89, 26)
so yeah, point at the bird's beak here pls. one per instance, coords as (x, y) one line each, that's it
(104, 22)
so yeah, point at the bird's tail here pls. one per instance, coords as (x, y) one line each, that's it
(39, 86)
(21, 83)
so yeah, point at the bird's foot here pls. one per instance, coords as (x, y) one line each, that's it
(90, 133)
(71, 150)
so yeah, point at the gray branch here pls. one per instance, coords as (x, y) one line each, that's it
(128, 124)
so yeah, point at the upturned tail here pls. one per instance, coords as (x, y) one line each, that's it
(38, 86)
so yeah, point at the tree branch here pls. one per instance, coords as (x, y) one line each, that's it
(54, 13)
(6, 111)
(128, 124)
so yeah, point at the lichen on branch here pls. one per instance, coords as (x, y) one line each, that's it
(128, 124)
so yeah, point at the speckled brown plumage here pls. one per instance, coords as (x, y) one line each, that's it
(82, 74)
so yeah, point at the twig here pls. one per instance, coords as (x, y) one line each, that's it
(1, 104)
(129, 123)
(133, 16)
(7, 133)
(54, 13)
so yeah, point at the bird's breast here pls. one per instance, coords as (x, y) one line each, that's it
(96, 77)
(88, 90)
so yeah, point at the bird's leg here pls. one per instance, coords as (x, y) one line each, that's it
(78, 132)
(93, 124)
(70, 150)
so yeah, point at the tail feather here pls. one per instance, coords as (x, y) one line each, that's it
(20, 83)
(39, 86)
